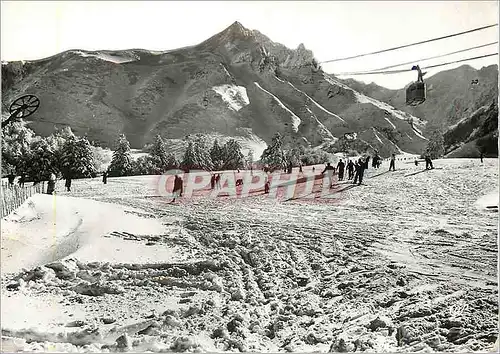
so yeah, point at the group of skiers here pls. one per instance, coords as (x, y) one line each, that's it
(355, 170)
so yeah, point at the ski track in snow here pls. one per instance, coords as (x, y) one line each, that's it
(316, 103)
(266, 275)
(235, 96)
(379, 104)
(321, 126)
(376, 135)
(392, 124)
(295, 120)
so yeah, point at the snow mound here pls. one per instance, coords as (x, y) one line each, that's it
(488, 201)
(235, 96)
(295, 120)
(106, 57)
(48, 228)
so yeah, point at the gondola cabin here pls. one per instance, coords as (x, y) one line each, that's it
(416, 92)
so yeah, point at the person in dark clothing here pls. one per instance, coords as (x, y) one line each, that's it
(360, 170)
(266, 187)
(375, 161)
(217, 180)
(428, 163)
(178, 186)
(300, 168)
(105, 177)
(68, 184)
(314, 169)
(366, 162)
(481, 157)
(341, 167)
(350, 169)
(51, 185)
(11, 177)
(212, 182)
(290, 167)
(330, 170)
(393, 163)
(416, 162)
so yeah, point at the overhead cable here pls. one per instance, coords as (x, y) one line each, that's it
(411, 44)
(429, 58)
(407, 70)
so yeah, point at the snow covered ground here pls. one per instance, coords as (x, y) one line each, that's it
(408, 258)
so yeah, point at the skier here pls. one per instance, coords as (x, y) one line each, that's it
(314, 169)
(330, 170)
(217, 181)
(341, 166)
(177, 191)
(300, 168)
(51, 185)
(393, 163)
(350, 169)
(105, 177)
(360, 170)
(428, 163)
(366, 162)
(212, 182)
(68, 183)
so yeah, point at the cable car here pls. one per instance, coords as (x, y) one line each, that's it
(415, 93)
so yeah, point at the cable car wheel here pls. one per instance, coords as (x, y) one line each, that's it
(22, 107)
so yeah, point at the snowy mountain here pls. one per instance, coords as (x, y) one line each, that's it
(237, 83)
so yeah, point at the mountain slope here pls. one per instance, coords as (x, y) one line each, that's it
(474, 135)
(451, 95)
(236, 83)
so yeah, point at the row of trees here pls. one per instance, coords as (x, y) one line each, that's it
(196, 156)
(66, 155)
(36, 157)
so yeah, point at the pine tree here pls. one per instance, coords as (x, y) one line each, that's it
(273, 155)
(232, 156)
(197, 156)
(250, 159)
(158, 154)
(435, 146)
(77, 158)
(189, 160)
(121, 163)
(171, 162)
(216, 155)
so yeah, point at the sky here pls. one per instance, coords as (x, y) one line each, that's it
(331, 29)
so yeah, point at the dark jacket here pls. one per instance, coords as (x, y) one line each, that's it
(178, 184)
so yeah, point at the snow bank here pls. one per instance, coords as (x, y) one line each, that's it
(295, 120)
(235, 96)
(488, 201)
(48, 228)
